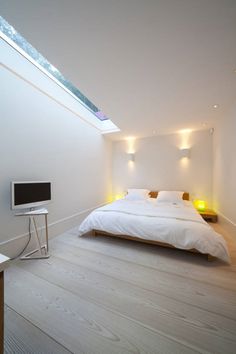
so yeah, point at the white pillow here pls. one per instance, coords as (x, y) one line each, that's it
(170, 196)
(137, 194)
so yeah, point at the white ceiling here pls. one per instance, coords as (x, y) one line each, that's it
(150, 65)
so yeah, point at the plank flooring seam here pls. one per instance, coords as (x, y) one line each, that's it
(230, 240)
(93, 273)
(66, 303)
(171, 337)
(39, 329)
(101, 297)
(186, 344)
(154, 291)
(144, 265)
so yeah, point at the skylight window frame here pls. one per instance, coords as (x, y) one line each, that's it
(48, 74)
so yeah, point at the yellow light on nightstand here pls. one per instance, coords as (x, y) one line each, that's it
(200, 205)
(119, 196)
(109, 198)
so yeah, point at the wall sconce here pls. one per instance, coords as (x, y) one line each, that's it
(131, 157)
(184, 153)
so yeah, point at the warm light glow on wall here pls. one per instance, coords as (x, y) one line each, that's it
(118, 196)
(109, 198)
(112, 197)
(185, 131)
(185, 138)
(130, 145)
(130, 150)
(184, 156)
(131, 164)
(184, 161)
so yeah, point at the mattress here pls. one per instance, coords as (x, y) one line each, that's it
(178, 224)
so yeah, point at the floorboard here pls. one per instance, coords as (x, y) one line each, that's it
(22, 337)
(104, 295)
(192, 292)
(177, 262)
(179, 321)
(80, 325)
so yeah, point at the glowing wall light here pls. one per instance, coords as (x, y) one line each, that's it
(130, 150)
(185, 136)
(131, 157)
(185, 153)
(130, 145)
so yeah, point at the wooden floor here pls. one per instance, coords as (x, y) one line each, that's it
(103, 295)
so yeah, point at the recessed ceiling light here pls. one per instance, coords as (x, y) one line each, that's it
(215, 106)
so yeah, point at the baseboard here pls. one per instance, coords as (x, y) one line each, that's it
(227, 224)
(13, 247)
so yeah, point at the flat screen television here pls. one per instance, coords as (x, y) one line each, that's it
(30, 194)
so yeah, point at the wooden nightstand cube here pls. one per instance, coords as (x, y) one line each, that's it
(208, 215)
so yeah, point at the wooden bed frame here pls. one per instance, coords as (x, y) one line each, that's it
(152, 194)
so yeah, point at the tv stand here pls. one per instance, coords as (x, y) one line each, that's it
(42, 250)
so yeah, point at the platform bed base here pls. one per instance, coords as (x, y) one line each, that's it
(162, 244)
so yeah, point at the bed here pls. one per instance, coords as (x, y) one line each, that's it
(170, 224)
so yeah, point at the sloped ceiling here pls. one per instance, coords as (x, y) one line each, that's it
(153, 66)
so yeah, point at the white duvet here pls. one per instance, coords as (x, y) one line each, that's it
(177, 224)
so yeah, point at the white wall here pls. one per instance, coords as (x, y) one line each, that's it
(41, 139)
(224, 168)
(158, 165)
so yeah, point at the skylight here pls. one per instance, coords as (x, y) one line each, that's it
(21, 42)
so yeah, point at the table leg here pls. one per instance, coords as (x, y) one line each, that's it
(46, 231)
(37, 235)
(1, 312)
